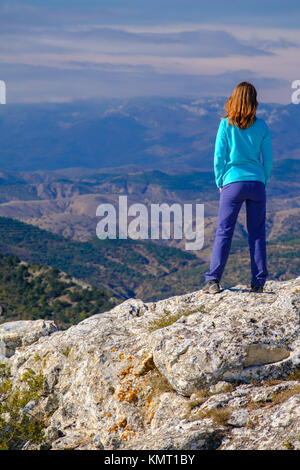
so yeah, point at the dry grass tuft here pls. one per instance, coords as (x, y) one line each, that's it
(200, 397)
(220, 416)
(293, 375)
(276, 399)
(283, 396)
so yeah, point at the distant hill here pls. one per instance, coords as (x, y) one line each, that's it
(30, 291)
(283, 259)
(125, 267)
(160, 133)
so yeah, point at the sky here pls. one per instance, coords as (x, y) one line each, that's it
(64, 50)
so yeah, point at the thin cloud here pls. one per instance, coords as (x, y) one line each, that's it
(50, 84)
(199, 43)
(73, 53)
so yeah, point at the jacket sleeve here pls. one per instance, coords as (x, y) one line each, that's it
(221, 153)
(267, 154)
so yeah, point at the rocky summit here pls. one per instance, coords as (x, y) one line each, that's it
(197, 371)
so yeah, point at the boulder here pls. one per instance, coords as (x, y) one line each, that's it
(16, 334)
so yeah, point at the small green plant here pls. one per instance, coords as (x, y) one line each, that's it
(17, 426)
(169, 318)
(288, 445)
(66, 351)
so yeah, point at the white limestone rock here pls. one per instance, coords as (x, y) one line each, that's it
(16, 334)
(155, 375)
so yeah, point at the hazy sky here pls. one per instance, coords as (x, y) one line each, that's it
(59, 50)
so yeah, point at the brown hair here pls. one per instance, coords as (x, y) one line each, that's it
(241, 106)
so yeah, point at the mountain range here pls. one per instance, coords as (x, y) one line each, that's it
(163, 133)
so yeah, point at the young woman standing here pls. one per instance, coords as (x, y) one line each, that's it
(242, 164)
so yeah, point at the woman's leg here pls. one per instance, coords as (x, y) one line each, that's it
(231, 200)
(256, 216)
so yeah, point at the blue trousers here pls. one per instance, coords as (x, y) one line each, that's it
(231, 199)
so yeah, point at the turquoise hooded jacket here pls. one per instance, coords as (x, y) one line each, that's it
(243, 154)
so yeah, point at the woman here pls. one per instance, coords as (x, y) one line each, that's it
(242, 163)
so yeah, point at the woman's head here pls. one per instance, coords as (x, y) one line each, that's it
(241, 106)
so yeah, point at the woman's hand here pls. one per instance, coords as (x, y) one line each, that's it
(220, 189)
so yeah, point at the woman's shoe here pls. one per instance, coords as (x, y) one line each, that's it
(256, 289)
(212, 287)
